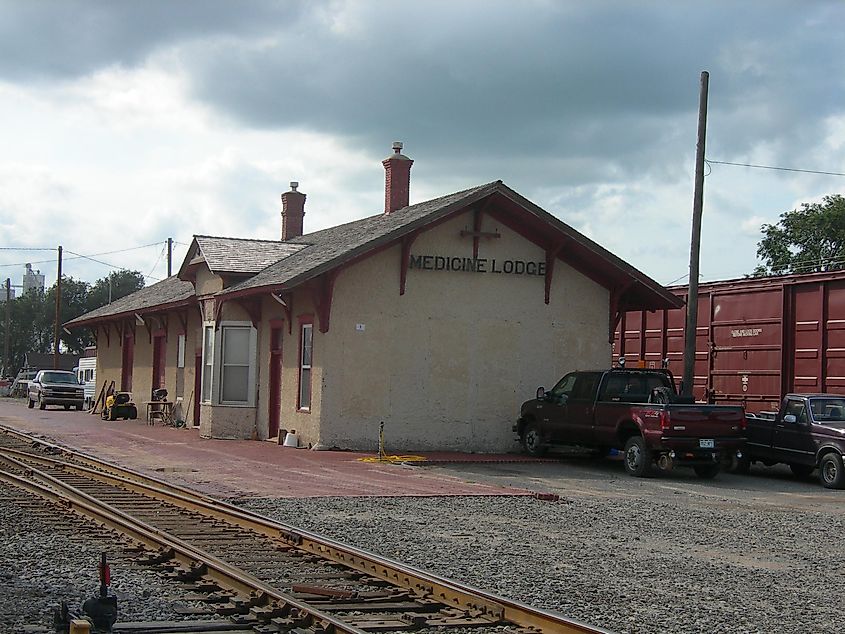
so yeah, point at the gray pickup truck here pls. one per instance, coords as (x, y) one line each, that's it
(55, 387)
(808, 432)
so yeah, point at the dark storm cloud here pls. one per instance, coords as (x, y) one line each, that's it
(63, 39)
(613, 86)
(538, 91)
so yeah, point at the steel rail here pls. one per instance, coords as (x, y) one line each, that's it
(224, 574)
(425, 584)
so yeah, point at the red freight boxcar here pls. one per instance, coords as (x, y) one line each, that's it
(757, 338)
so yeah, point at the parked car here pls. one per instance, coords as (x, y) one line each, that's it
(55, 387)
(637, 411)
(808, 432)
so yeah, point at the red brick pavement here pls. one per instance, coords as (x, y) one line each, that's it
(229, 468)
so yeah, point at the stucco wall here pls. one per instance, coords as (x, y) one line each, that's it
(447, 364)
(305, 423)
(110, 356)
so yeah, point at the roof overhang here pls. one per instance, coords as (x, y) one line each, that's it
(630, 288)
(130, 314)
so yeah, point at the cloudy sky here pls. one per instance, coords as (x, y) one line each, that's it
(125, 123)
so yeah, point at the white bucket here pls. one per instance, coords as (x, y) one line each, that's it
(291, 440)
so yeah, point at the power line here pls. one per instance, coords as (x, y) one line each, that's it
(771, 167)
(114, 266)
(158, 259)
(143, 246)
(27, 248)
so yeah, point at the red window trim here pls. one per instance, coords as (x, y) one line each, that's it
(305, 319)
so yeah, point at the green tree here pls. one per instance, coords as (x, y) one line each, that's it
(115, 285)
(30, 330)
(805, 240)
(74, 303)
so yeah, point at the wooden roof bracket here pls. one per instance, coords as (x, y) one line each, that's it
(183, 322)
(551, 256)
(286, 302)
(477, 233)
(107, 331)
(252, 306)
(218, 310)
(407, 241)
(323, 292)
(617, 307)
(94, 333)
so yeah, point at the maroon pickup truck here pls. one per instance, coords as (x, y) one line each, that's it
(637, 411)
(807, 432)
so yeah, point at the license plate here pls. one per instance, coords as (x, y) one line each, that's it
(706, 443)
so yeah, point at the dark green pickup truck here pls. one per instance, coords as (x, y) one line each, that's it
(807, 433)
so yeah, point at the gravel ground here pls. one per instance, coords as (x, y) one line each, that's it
(629, 564)
(43, 563)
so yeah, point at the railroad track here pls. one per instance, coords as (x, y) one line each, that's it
(260, 572)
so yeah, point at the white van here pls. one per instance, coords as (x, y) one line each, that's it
(86, 372)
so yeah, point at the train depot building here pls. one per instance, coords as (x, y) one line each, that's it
(438, 318)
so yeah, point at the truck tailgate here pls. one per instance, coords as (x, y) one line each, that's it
(704, 421)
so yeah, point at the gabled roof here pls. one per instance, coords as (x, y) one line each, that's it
(335, 246)
(238, 256)
(330, 247)
(274, 265)
(169, 293)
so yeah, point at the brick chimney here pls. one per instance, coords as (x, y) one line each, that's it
(293, 211)
(397, 179)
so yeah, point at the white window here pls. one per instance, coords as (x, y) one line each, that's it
(305, 356)
(235, 365)
(207, 362)
(180, 351)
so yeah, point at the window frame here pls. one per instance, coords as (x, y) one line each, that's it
(207, 364)
(251, 365)
(305, 322)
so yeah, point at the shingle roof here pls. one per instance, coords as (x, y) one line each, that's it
(240, 255)
(273, 264)
(323, 249)
(171, 291)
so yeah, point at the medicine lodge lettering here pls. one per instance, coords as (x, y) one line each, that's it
(476, 265)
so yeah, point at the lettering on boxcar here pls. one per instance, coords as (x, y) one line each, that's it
(746, 332)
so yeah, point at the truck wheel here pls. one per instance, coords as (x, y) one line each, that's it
(707, 471)
(637, 457)
(532, 440)
(801, 470)
(41, 403)
(831, 473)
(67, 407)
(79, 408)
(30, 403)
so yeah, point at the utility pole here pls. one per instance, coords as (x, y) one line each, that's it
(169, 257)
(695, 241)
(58, 326)
(7, 362)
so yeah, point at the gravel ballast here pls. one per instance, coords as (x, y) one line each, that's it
(626, 564)
(44, 562)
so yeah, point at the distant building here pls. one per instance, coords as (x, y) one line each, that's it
(32, 280)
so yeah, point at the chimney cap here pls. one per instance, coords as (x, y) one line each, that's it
(294, 185)
(397, 152)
